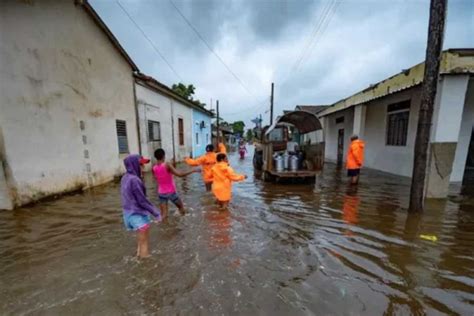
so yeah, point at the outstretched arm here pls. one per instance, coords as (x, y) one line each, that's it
(180, 173)
(231, 175)
(194, 162)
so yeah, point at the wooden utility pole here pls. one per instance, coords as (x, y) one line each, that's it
(217, 124)
(428, 94)
(271, 107)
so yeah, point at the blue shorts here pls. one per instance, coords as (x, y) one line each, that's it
(164, 198)
(134, 221)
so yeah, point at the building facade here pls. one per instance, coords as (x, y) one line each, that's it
(385, 116)
(66, 100)
(201, 131)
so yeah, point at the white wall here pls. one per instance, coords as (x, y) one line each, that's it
(186, 113)
(58, 68)
(378, 155)
(331, 132)
(464, 135)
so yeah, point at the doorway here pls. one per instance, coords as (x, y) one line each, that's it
(340, 147)
(468, 178)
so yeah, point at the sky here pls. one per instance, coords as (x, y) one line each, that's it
(315, 51)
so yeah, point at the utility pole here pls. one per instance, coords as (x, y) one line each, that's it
(217, 125)
(428, 94)
(271, 106)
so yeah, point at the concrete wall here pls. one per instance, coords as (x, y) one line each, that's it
(204, 134)
(464, 135)
(186, 113)
(331, 132)
(57, 68)
(378, 155)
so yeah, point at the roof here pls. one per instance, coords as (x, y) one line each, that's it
(162, 88)
(101, 24)
(315, 109)
(453, 61)
(304, 121)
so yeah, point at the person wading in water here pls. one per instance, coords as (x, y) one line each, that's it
(355, 158)
(207, 161)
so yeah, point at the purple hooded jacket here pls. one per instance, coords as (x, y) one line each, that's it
(134, 200)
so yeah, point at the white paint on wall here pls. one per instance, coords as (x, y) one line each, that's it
(331, 132)
(359, 120)
(185, 113)
(57, 68)
(464, 139)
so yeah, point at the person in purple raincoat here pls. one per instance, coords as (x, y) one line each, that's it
(137, 209)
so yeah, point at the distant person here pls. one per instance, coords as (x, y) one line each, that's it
(242, 149)
(207, 161)
(291, 146)
(163, 172)
(136, 206)
(221, 148)
(355, 158)
(222, 177)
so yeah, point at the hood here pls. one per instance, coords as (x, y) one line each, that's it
(132, 164)
(358, 143)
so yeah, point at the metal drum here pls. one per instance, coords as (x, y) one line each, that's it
(286, 161)
(278, 161)
(294, 161)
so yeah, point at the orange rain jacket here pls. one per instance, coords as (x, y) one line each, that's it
(207, 161)
(355, 154)
(222, 177)
(221, 148)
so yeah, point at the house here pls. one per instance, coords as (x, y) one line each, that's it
(169, 121)
(66, 100)
(385, 116)
(201, 130)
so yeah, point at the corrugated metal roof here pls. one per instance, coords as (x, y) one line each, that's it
(304, 121)
(311, 108)
(454, 61)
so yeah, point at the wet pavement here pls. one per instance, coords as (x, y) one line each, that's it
(327, 249)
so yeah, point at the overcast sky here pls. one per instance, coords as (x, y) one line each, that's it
(316, 51)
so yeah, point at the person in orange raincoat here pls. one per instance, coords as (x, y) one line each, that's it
(222, 177)
(221, 148)
(207, 161)
(355, 158)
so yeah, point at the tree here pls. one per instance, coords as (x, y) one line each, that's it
(238, 127)
(186, 92)
(249, 135)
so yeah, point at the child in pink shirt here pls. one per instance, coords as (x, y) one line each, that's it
(163, 172)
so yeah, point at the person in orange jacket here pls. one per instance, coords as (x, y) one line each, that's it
(221, 148)
(207, 161)
(355, 158)
(222, 177)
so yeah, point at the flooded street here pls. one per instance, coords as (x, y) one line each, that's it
(328, 249)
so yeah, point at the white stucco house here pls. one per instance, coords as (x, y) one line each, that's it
(67, 100)
(385, 116)
(166, 119)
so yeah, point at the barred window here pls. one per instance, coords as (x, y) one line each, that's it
(121, 129)
(398, 115)
(154, 132)
(181, 131)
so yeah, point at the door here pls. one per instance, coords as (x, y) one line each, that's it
(340, 147)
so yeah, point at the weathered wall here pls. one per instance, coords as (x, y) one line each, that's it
(393, 159)
(464, 135)
(331, 132)
(58, 68)
(204, 133)
(156, 107)
(186, 113)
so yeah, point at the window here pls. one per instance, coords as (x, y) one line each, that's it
(181, 131)
(154, 132)
(197, 138)
(276, 135)
(207, 139)
(121, 128)
(340, 120)
(398, 115)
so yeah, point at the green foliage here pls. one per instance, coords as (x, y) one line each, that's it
(186, 92)
(238, 127)
(249, 135)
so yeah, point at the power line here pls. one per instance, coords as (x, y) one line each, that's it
(149, 40)
(210, 48)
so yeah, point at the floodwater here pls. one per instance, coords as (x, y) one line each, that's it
(328, 249)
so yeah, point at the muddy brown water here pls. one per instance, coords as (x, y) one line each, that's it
(328, 249)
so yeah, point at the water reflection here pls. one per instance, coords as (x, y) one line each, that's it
(327, 249)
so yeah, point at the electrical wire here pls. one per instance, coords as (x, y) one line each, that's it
(210, 48)
(149, 40)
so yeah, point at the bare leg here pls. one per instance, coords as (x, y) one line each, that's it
(164, 211)
(355, 180)
(179, 204)
(142, 238)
